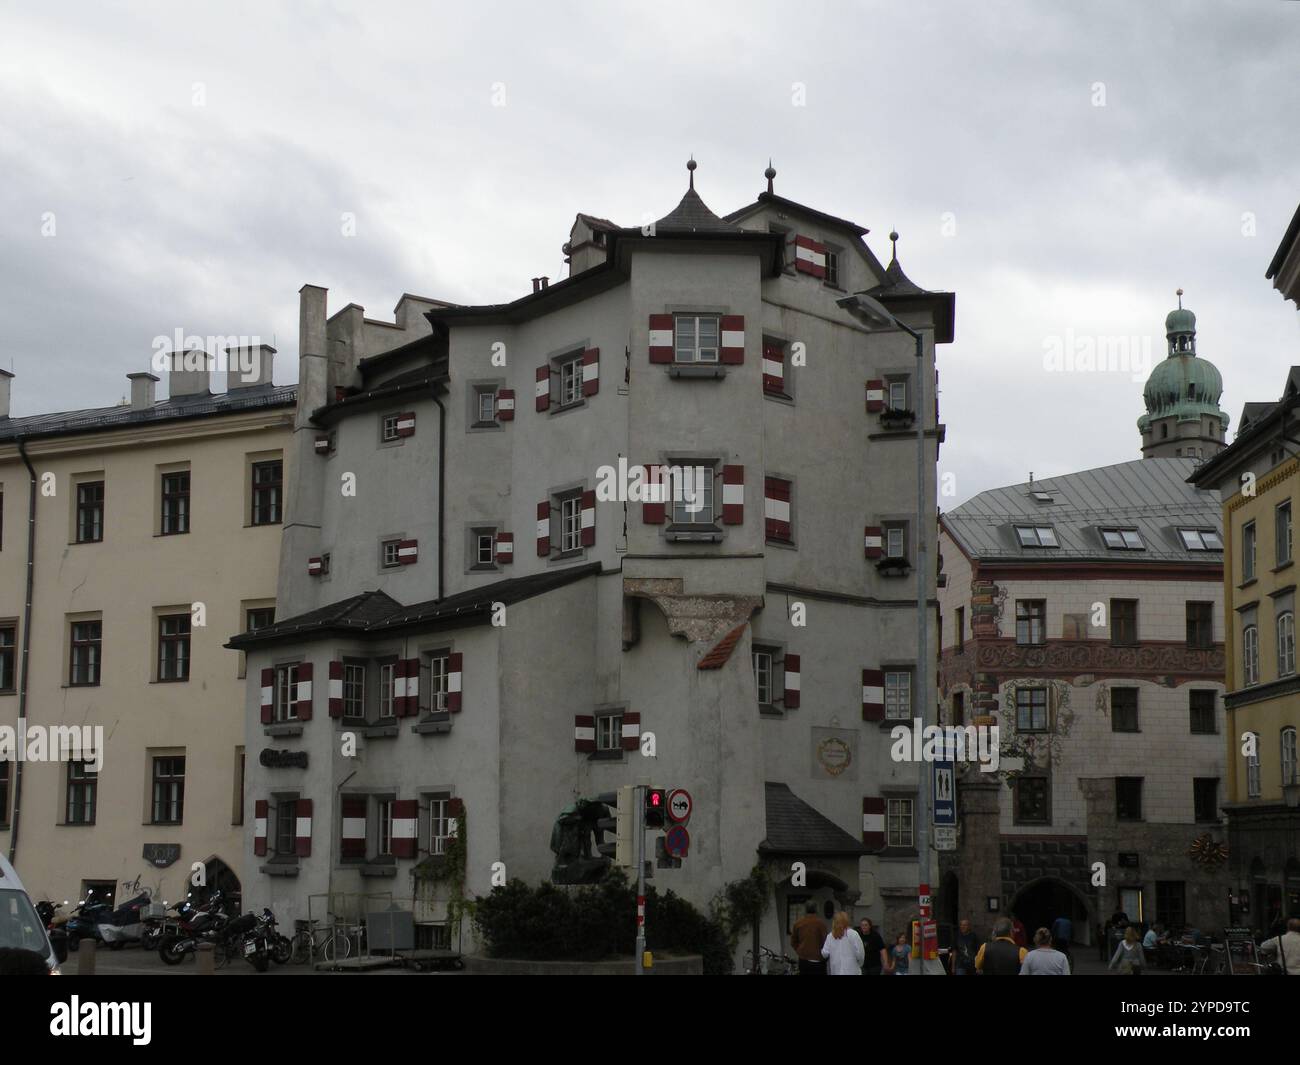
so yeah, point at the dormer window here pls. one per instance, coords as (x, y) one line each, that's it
(1036, 536)
(1201, 539)
(1042, 497)
(1122, 539)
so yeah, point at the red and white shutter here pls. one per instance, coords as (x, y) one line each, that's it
(505, 548)
(733, 495)
(809, 256)
(589, 519)
(631, 731)
(506, 404)
(776, 508)
(591, 371)
(314, 567)
(773, 368)
(261, 815)
(733, 339)
(399, 688)
(352, 834)
(302, 697)
(661, 338)
(336, 689)
(406, 827)
(406, 423)
(412, 672)
(873, 540)
(873, 695)
(791, 697)
(455, 680)
(873, 823)
(543, 389)
(408, 551)
(268, 696)
(875, 396)
(544, 529)
(302, 829)
(584, 733)
(653, 509)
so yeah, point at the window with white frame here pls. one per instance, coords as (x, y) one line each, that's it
(1036, 536)
(285, 693)
(384, 845)
(1282, 532)
(1203, 539)
(609, 731)
(570, 381)
(1248, 551)
(487, 405)
(1250, 654)
(691, 495)
(696, 338)
(764, 681)
(571, 523)
(1289, 771)
(832, 268)
(390, 557)
(898, 395)
(354, 689)
(1122, 539)
(388, 428)
(898, 695)
(895, 540)
(484, 549)
(439, 824)
(1252, 768)
(433, 681)
(1031, 709)
(898, 822)
(1285, 644)
(387, 675)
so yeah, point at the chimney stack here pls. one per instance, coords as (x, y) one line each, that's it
(187, 373)
(142, 390)
(249, 366)
(545, 281)
(537, 284)
(5, 378)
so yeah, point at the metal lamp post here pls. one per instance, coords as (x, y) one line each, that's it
(877, 318)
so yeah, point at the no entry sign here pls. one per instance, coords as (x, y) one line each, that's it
(679, 805)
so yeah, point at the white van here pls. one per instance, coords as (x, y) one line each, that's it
(19, 925)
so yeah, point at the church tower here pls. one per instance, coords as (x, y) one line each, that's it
(1183, 418)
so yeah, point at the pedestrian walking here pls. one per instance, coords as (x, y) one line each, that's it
(807, 937)
(900, 956)
(1018, 932)
(1062, 933)
(1001, 956)
(1128, 957)
(876, 958)
(964, 948)
(1044, 959)
(1286, 947)
(843, 948)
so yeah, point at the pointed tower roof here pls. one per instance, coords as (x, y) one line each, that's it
(692, 215)
(896, 283)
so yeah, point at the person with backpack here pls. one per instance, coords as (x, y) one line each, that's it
(1286, 947)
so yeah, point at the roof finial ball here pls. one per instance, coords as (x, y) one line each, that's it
(770, 174)
(1180, 299)
(893, 239)
(690, 166)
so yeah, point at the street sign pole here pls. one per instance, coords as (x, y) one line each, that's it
(639, 823)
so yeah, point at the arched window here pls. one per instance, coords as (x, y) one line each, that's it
(1250, 654)
(1285, 644)
(1289, 775)
(1252, 769)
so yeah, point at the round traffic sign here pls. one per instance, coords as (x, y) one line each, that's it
(679, 805)
(677, 842)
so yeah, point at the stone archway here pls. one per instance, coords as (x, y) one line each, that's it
(1039, 902)
(218, 876)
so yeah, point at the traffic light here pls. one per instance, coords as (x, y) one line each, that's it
(656, 807)
(622, 849)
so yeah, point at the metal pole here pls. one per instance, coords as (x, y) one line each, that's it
(923, 509)
(639, 823)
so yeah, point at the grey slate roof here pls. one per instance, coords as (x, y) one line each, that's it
(693, 216)
(897, 283)
(96, 419)
(794, 827)
(376, 613)
(1150, 495)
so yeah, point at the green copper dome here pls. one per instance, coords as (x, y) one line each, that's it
(1183, 386)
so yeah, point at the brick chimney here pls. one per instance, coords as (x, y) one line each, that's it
(249, 366)
(188, 373)
(5, 378)
(142, 390)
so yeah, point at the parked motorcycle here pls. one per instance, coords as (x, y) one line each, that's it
(247, 937)
(85, 923)
(192, 927)
(281, 945)
(125, 924)
(54, 928)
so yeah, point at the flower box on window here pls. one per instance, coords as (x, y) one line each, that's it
(894, 567)
(897, 419)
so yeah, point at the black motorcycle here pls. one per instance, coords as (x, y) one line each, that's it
(247, 937)
(281, 945)
(195, 926)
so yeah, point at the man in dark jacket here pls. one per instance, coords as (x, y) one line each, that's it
(807, 937)
(875, 958)
(964, 948)
(1000, 956)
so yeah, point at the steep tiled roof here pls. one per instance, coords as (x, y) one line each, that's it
(97, 419)
(794, 827)
(717, 658)
(1149, 495)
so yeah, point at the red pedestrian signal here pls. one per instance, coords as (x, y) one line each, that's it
(656, 807)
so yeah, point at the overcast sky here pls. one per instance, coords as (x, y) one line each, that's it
(1062, 167)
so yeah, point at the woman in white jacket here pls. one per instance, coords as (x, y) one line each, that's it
(843, 949)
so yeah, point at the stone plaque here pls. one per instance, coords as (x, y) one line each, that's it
(834, 754)
(161, 855)
(273, 759)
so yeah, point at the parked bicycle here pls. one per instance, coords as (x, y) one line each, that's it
(769, 964)
(313, 940)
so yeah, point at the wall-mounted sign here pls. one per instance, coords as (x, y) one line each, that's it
(161, 855)
(1128, 859)
(273, 759)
